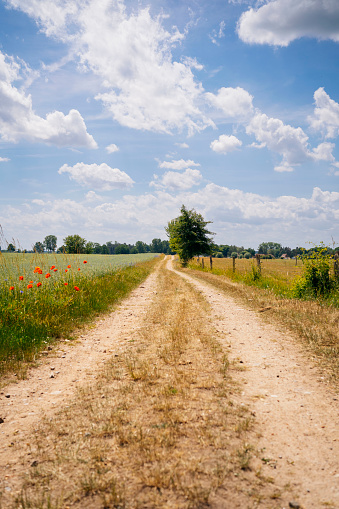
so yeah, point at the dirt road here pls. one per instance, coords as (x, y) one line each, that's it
(296, 413)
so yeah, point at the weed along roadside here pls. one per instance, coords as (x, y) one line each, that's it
(165, 416)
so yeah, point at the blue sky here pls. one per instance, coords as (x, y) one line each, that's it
(113, 114)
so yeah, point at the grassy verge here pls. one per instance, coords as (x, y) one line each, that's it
(33, 317)
(314, 321)
(162, 427)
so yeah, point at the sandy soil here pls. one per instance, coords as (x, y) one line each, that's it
(296, 413)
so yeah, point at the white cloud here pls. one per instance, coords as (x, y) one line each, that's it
(4, 159)
(18, 120)
(177, 181)
(326, 114)
(284, 167)
(218, 34)
(182, 145)
(323, 152)
(235, 103)
(180, 164)
(225, 144)
(288, 141)
(112, 148)
(91, 196)
(97, 176)
(238, 217)
(132, 54)
(279, 22)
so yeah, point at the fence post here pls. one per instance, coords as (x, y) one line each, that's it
(257, 256)
(202, 262)
(211, 262)
(233, 263)
(336, 266)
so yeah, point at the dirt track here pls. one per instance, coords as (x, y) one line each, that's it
(296, 414)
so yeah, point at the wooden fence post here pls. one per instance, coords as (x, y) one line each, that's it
(233, 263)
(211, 262)
(202, 262)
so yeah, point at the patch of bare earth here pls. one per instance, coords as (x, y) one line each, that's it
(181, 398)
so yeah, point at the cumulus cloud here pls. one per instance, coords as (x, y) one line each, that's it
(174, 181)
(112, 148)
(97, 176)
(326, 114)
(18, 120)
(91, 196)
(279, 22)
(4, 159)
(180, 164)
(225, 144)
(145, 88)
(235, 103)
(236, 216)
(288, 141)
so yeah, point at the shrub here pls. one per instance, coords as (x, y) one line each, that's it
(316, 280)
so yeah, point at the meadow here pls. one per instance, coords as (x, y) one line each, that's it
(46, 296)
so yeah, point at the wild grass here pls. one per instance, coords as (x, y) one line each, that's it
(40, 303)
(315, 322)
(283, 278)
(162, 427)
(276, 275)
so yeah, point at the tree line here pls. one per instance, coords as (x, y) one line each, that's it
(79, 245)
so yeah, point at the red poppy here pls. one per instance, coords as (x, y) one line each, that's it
(21, 278)
(66, 270)
(39, 284)
(11, 287)
(29, 286)
(76, 288)
(39, 271)
(36, 270)
(31, 282)
(47, 275)
(85, 261)
(53, 267)
(78, 269)
(68, 266)
(55, 270)
(66, 284)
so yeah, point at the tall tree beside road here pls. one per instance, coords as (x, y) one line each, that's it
(188, 235)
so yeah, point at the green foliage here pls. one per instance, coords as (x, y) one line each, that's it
(38, 247)
(37, 309)
(188, 235)
(11, 248)
(316, 280)
(50, 243)
(75, 244)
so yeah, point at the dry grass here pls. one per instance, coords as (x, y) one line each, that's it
(163, 426)
(315, 323)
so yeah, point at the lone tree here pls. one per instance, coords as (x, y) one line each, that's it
(188, 235)
(75, 244)
(50, 243)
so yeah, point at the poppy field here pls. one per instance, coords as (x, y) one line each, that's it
(47, 296)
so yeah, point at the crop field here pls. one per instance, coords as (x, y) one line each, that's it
(15, 265)
(43, 297)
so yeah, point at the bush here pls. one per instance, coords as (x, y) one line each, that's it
(316, 280)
